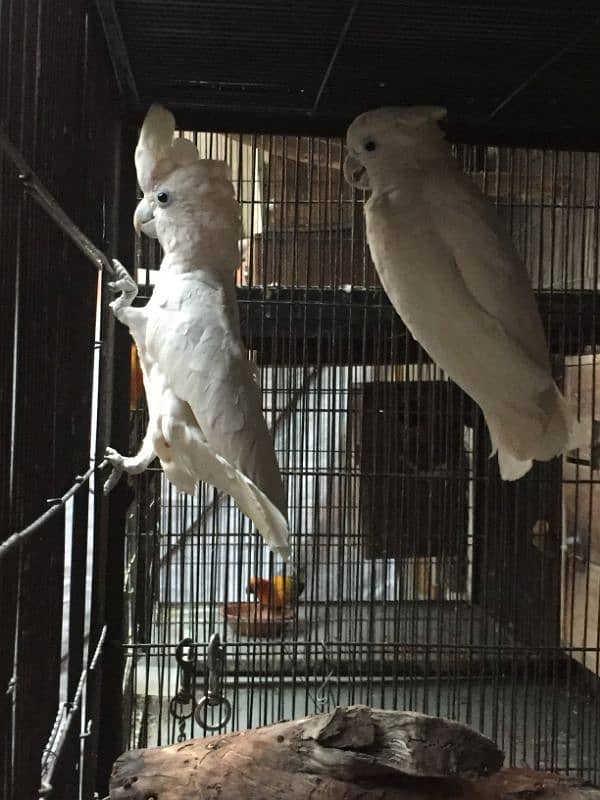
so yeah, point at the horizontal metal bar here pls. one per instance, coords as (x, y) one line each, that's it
(64, 718)
(160, 648)
(360, 325)
(352, 472)
(34, 186)
(304, 678)
(57, 504)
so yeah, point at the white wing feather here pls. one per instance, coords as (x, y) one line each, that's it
(194, 459)
(186, 457)
(464, 296)
(193, 332)
(485, 256)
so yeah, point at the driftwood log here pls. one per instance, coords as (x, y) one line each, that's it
(352, 753)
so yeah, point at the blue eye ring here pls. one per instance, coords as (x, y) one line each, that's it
(163, 198)
(370, 146)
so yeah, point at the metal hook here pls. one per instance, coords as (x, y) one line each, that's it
(185, 655)
(215, 658)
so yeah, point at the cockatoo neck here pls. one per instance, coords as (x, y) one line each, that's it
(175, 264)
(404, 164)
(190, 247)
(181, 264)
(182, 251)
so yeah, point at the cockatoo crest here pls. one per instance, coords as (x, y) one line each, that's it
(158, 153)
(391, 135)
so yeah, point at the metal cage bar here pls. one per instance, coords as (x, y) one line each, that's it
(63, 149)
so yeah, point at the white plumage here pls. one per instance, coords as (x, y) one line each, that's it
(205, 417)
(453, 275)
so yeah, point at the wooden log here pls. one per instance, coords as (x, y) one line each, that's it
(352, 752)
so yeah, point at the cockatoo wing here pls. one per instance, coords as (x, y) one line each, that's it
(188, 459)
(194, 335)
(194, 459)
(420, 275)
(483, 352)
(485, 255)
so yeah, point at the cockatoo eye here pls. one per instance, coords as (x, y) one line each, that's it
(370, 145)
(163, 198)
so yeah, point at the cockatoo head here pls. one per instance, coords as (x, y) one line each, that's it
(379, 140)
(189, 202)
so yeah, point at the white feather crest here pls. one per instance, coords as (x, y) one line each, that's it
(158, 152)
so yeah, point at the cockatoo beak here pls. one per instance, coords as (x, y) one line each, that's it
(355, 173)
(143, 219)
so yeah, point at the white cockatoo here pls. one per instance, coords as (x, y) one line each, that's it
(205, 417)
(452, 273)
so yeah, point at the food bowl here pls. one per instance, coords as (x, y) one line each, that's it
(255, 620)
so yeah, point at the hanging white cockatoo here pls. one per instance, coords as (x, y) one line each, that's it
(453, 275)
(205, 417)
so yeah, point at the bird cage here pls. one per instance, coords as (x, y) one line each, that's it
(430, 584)
(423, 581)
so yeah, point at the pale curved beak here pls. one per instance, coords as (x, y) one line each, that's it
(143, 219)
(355, 173)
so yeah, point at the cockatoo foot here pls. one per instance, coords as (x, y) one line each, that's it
(132, 465)
(124, 284)
(115, 458)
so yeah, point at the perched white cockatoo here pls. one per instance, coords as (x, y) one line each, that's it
(453, 275)
(205, 417)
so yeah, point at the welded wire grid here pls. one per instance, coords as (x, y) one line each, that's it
(430, 584)
(60, 179)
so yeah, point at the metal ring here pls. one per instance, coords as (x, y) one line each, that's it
(202, 708)
(176, 701)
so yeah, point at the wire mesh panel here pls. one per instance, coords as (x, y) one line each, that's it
(429, 584)
(59, 165)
